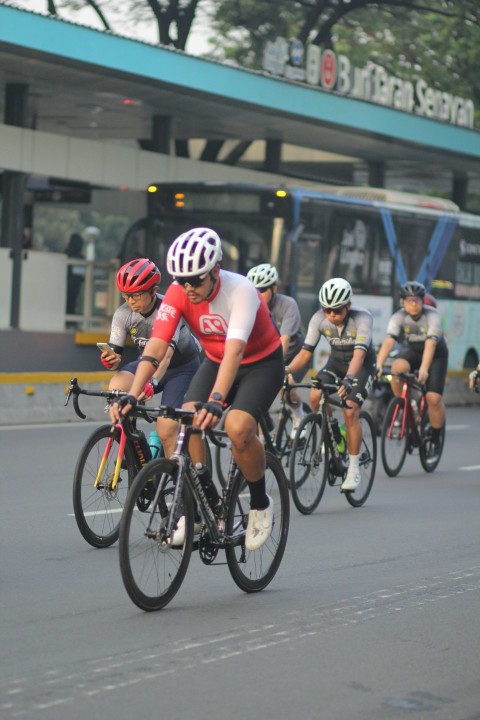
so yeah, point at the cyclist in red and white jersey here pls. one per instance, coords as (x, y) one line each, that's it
(243, 367)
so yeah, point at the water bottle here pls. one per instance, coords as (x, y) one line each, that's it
(343, 442)
(155, 444)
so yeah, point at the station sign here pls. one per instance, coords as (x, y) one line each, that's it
(334, 72)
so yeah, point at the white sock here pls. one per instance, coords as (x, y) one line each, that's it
(353, 463)
(297, 412)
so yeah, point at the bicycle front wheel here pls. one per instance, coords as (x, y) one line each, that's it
(429, 455)
(367, 461)
(308, 464)
(152, 569)
(394, 442)
(253, 570)
(98, 509)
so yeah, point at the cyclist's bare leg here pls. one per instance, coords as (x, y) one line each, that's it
(315, 396)
(122, 380)
(436, 410)
(248, 451)
(399, 366)
(354, 429)
(167, 432)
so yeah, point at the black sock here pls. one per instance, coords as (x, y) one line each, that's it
(258, 494)
(435, 435)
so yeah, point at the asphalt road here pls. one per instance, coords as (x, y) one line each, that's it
(373, 615)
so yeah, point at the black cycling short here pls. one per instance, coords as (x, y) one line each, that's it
(361, 384)
(437, 373)
(254, 390)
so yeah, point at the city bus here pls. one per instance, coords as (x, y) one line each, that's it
(375, 238)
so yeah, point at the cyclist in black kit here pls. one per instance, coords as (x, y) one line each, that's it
(348, 330)
(138, 282)
(423, 347)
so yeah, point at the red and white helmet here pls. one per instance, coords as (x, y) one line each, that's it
(138, 275)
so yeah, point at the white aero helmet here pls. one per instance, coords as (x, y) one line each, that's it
(334, 293)
(195, 252)
(263, 276)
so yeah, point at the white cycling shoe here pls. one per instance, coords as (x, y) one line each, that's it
(352, 481)
(179, 534)
(259, 528)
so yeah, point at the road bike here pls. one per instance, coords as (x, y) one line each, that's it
(105, 469)
(152, 567)
(406, 427)
(320, 455)
(276, 435)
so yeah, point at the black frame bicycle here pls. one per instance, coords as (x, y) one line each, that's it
(153, 568)
(276, 436)
(316, 457)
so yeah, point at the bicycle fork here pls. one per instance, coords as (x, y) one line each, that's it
(118, 462)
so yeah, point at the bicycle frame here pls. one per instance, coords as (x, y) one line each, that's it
(408, 418)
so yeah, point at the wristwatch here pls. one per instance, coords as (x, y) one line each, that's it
(349, 377)
(218, 397)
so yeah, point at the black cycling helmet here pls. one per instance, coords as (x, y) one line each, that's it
(414, 288)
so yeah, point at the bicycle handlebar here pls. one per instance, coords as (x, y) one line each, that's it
(410, 377)
(319, 384)
(75, 390)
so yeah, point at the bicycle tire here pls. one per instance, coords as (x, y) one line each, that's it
(368, 461)
(281, 439)
(394, 446)
(308, 464)
(253, 570)
(98, 510)
(153, 571)
(427, 460)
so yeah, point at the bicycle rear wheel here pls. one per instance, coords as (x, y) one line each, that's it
(282, 438)
(253, 570)
(394, 443)
(98, 509)
(152, 569)
(308, 464)
(428, 455)
(368, 461)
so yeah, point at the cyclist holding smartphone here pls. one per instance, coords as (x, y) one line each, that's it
(138, 281)
(243, 367)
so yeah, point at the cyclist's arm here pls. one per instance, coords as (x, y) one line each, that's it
(387, 347)
(301, 360)
(427, 357)
(285, 340)
(356, 362)
(155, 347)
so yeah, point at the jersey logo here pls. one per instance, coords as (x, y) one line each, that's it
(165, 312)
(212, 325)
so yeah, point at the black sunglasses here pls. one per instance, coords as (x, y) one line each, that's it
(194, 281)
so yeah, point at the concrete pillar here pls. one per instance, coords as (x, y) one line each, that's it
(460, 190)
(13, 190)
(376, 173)
(273, 156)
(162, 134)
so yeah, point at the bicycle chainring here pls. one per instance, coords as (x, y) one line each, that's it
(206, 549)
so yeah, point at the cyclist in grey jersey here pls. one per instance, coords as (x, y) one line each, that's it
(348, 330)
(423, 347)
(286, 315)
(138, 282)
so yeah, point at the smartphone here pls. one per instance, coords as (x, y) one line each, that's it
(105, 348)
